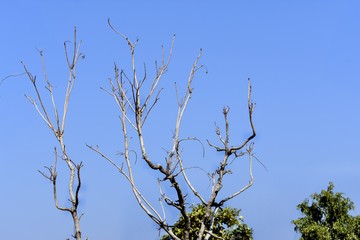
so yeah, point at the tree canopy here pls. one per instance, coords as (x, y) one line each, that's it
(326, 217)
(228, 224)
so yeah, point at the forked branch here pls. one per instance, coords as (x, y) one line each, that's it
(58, 130)
(135, 109)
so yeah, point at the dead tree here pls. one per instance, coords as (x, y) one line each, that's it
(135, 109)
(57, 126)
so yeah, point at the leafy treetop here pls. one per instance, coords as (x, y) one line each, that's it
(228, 225)
(326, 217)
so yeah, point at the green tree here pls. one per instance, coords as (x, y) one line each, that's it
(327, 217)
(228, 225)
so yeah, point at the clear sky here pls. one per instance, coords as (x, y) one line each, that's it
(304, 61)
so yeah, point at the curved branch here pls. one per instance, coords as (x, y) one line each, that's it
(247, 185)
(251, 107)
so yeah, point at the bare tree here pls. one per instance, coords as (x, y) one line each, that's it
(57, 126)
(135, 109)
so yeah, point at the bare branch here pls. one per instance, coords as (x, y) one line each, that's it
(131, 45)
(196, 193)
(44, 115)
(72, 76)
(50, 176)
(249, 152)
(218, 132)
(78, 167)
(105, 157)
(49, 88)
(74, 169)
(188, 182)
(251, 107)
(217, 148)
(33, 102)
(10, 76)
(163, 196)
(130, 96)
(140, 198)
(151, 107)
(159, 73)
(183, 104)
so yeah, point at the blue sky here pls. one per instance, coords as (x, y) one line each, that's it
(303, 58)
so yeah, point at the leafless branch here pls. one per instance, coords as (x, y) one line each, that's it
(43, 113)
(130, 97)
(10, 76)
(250, 154)
(251, 107)
(58, 131)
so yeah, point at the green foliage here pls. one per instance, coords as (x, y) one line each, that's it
(228, 224)
(327, 217)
